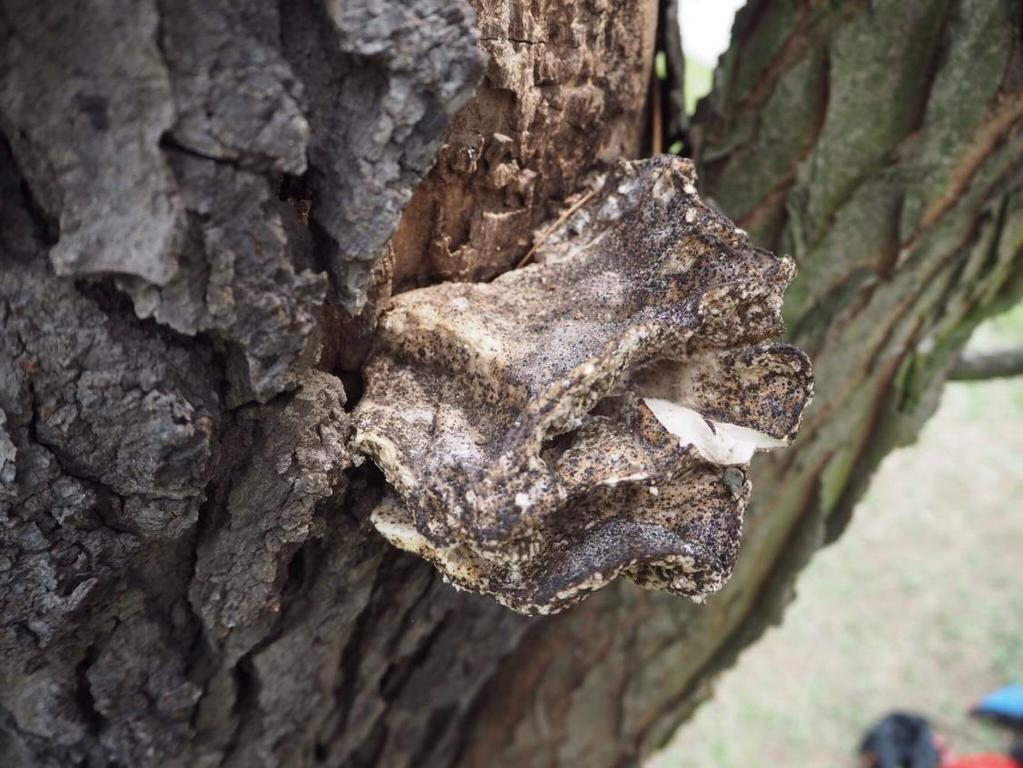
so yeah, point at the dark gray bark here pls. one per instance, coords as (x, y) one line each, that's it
(193, 194)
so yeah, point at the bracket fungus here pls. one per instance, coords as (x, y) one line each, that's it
(594, 413)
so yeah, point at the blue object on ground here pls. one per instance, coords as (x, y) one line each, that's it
(1005, 703)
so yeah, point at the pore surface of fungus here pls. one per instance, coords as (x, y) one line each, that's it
(594, 413)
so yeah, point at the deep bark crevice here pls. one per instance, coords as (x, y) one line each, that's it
(86, 703)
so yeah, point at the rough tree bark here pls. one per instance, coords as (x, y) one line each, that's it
(194, 199)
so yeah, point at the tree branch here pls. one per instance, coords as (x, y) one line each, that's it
(994, 365)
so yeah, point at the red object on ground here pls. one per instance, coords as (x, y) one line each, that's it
(981, 761)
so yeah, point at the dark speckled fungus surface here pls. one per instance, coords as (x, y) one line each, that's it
(592, 414)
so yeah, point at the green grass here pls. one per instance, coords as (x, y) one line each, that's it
(1004, 330)
(918, 606)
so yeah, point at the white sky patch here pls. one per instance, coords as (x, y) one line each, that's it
(707, 27)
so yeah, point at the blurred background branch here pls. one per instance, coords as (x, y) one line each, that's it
(993, 365)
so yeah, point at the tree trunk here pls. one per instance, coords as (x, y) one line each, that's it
(206, 206)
